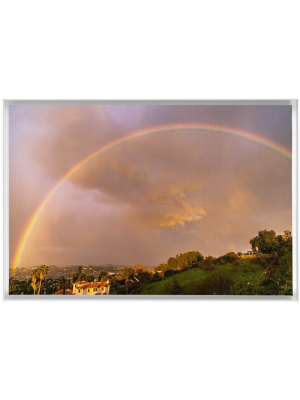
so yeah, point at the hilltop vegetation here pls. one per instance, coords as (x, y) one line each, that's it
(255, 277)
(190, 273)
(202, 280)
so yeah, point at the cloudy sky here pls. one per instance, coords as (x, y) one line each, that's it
(147, 198)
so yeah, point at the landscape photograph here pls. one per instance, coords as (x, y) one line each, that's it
(133, 199)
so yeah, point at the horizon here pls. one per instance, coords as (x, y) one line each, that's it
(84, 265)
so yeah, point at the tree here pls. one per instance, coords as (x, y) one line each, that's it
(182, 260)
(43, 271)
(127, 273)
(161, 268)
(63, 284)
(265, 242)
(34, 278)
(144, 276)
(285, 242)
(80, 275)
(268, 242)
(188, 259)
(13, 286)
(232, 257)
(138, 267)
(287, 237)
(73, 278)
(209, 263)
(172, 262)
(103, 276)
(89, 278)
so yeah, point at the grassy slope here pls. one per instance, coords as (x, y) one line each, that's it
(246, 273)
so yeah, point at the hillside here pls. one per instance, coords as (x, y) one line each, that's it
(190, 281)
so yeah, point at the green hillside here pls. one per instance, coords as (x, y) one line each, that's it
(190, 281)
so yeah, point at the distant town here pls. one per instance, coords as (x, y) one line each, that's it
(57, 272)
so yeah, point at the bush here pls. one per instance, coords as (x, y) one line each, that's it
(156, 277)
(121, 290)
(170, 272)
(187, 268)
(208, 266)
(217, 284)
(173, 288)
(136, 291)
(272, 283)
(230, 257)
(144, 276)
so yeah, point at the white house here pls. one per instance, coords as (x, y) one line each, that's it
(91, 288)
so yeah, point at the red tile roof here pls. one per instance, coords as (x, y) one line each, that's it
(104, 284)
(81, 283)
(96, 285)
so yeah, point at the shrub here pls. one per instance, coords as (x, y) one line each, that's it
(173, 287)
(136, 291)
(156, 277)
(234, 268)
(169, 272)
(217, 284)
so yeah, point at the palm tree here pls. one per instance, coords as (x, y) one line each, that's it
(63, 284)
(34, 277)
(43, 272)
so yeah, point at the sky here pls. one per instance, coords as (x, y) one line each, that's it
(150, 197)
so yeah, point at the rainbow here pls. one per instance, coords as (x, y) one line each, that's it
(164, 128)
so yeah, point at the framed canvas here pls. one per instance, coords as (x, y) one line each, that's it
(136, 199)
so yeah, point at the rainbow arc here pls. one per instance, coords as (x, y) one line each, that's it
(164, 128)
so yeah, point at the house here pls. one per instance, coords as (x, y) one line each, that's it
(91, 288)
(79, 286)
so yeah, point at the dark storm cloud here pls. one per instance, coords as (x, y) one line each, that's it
(158, 186)
(273, 122)
(169, 183)
(63, 135)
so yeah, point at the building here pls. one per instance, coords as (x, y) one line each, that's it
(91, 288)
(79, 286)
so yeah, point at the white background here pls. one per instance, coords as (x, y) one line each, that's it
(149, 50)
